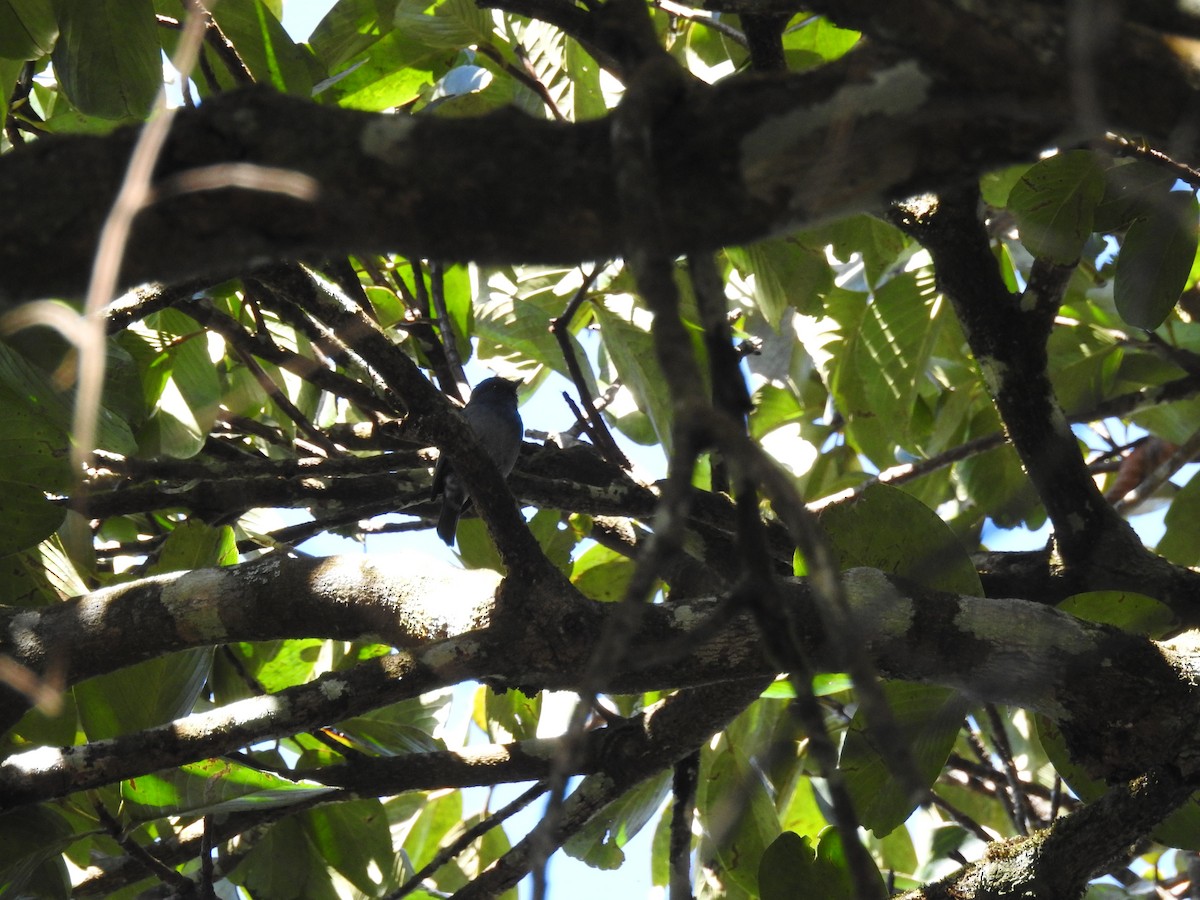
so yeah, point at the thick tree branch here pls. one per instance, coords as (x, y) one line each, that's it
(55, 772)
(767, 151)
(1008, 340)
(273, 597)
(1059, 862)
(1124, 703)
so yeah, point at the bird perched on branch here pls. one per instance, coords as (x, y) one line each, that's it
(492, 414)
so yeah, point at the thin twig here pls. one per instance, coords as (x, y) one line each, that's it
(1020, 803)
(1142, 151)
(961, 818)
(701, 17)
(136, 851)
(595, 425)
(525, 75)
(1161, 475)
(437, 292)
(206, 860)
(263, 346)
(468, 837)
(1006, 798)
(683, 790)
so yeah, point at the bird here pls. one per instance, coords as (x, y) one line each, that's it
(492, 414)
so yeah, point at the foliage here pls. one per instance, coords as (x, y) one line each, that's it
(231, 404)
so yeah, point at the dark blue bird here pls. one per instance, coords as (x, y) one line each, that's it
(492, 414)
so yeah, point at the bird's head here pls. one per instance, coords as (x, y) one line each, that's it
(495, 389)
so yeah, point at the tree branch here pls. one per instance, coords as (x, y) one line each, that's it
(1059, 862)
(1124, 703)
(756, 144)
(1009, 343)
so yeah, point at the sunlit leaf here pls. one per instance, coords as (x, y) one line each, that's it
(263, 45)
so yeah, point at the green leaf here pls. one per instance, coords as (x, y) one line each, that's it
(1181, 542)
(475, 547)
(730, 785)
(787, 869)
(1155, 259)
(774, 407)
(404, 727)
(353, 837)
(602, 574)
(1054, 203)
(196, 545)
(213, 786)
(34, 448)
(143, 695)
(349, 28)
(263, 45)
(996, 483)
(26, 517)
(429, 829)
(544, 58)
(165, 688)
(108, 58)
(787, 273)
(629, 344)
(31, 866)
(279, 664)
(284, 865)
(587, 97)
(802, 814)
(54, 408)
(41, 729)
(925, 550)
(791, 867)
(28, 29)
(1132, 189)
(1174, 422)
(599, 842)
(1135, 613)
(390, 73)
(10, 71)
(818, 42)
(23, 580)
(1181, 829)
(894, 851)
(879, 243)
(511, 313)
(929, 718)
(192, 367)
(557, 543)
(453, 24)
(996, 186)
(493, 846)
(184, 411)
(509, 716)
(883, 364)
